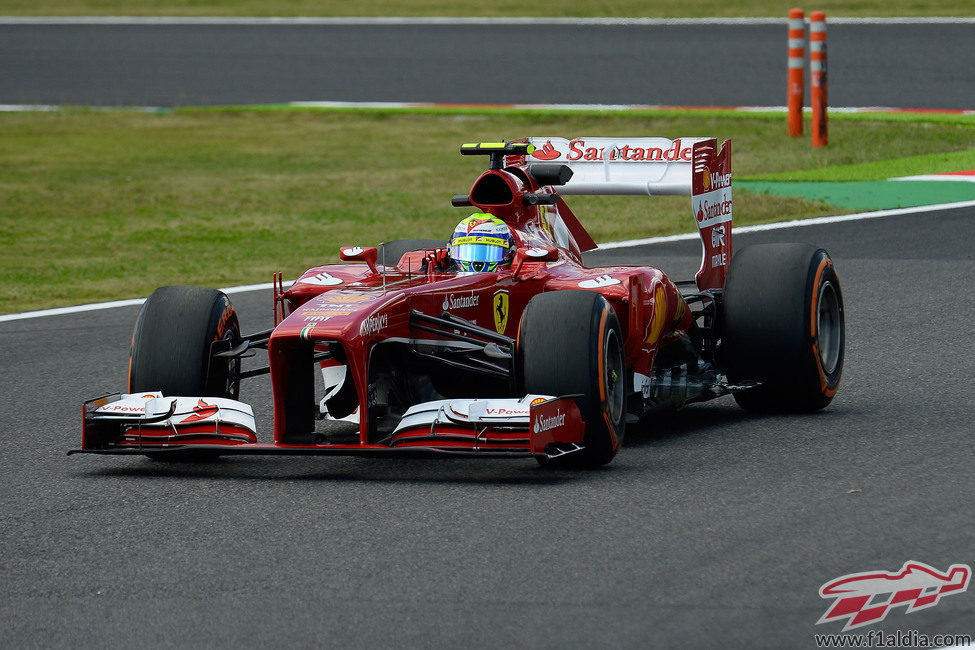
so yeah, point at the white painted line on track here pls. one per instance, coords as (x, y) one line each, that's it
(59, 311)
(455, 20)
(962, 178)
(815, 221)
(13, 108)
(798, 223)
(621, 107)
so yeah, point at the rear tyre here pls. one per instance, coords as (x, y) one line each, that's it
(784, 326)
(569, 343)
(396, 249)
(171, 347)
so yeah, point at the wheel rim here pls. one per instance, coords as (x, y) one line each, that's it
(613, 367)
(829, 327)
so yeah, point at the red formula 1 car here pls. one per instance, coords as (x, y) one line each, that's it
(543, 357)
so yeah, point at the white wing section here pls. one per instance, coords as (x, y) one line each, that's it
(134, 409)
(471, 412)
(621, 166)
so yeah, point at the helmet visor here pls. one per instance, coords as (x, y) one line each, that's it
(478, 252)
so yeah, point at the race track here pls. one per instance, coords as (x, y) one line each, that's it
(899, 65)
(712, 528)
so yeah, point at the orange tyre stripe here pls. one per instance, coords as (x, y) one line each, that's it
(614, 439)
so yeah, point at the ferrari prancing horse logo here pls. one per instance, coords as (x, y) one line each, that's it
(500, 311)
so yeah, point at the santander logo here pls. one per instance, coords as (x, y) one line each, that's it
(546, 152)
(553, 422)
(603, 149)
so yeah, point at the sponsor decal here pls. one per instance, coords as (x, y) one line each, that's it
(460, 302)
(636, 150)
(546, 424)
(474, 223)
(579, 151)
(327, 311)
(546, 152)
(642, 384)
(478, 238)
(715, 180)
(501, 303)
(679, 311)
(322, 279)
(601, 281)
(316, 319)
(866, 598)
(711, 185)
(343, 299)
(352, 251)
(117, 408)
(656, 325)
(373, 324)
(537, 400)
(201, 411)
(536, 252)
(505, 412)
(717, 236)
(713, 209)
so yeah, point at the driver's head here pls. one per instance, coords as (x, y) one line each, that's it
(482, 243)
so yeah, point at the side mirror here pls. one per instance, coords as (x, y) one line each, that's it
(366, 254)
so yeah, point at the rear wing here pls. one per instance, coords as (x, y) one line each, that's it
(692, 167)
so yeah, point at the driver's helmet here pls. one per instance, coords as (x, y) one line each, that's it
(482, 243)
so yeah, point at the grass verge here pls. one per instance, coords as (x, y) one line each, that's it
(99, 205)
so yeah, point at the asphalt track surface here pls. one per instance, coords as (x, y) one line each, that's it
(712, 527)
(897, 65)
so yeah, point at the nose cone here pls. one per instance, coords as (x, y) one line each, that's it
(337, 315)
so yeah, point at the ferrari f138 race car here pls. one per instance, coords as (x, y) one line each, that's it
(500, 342)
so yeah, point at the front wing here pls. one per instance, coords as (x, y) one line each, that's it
(149, 423)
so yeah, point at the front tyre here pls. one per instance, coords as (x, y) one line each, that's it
(569, 343)
(784, 326)
(172, 340)
(171, 350)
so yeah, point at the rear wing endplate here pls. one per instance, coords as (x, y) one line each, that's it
(692, 167)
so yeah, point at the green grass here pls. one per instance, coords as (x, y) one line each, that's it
(878, 170)
(98, 205)
(609, 8)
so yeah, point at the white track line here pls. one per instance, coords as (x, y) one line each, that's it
(798, 223)
(456, 21)
(919, 112)
(116, 303)
(816, 221)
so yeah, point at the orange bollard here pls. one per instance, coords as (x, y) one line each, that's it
(817, 73)
(797, 61)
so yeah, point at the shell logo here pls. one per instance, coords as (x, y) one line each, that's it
(537, 400)
(707, 180)
(656, 325)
